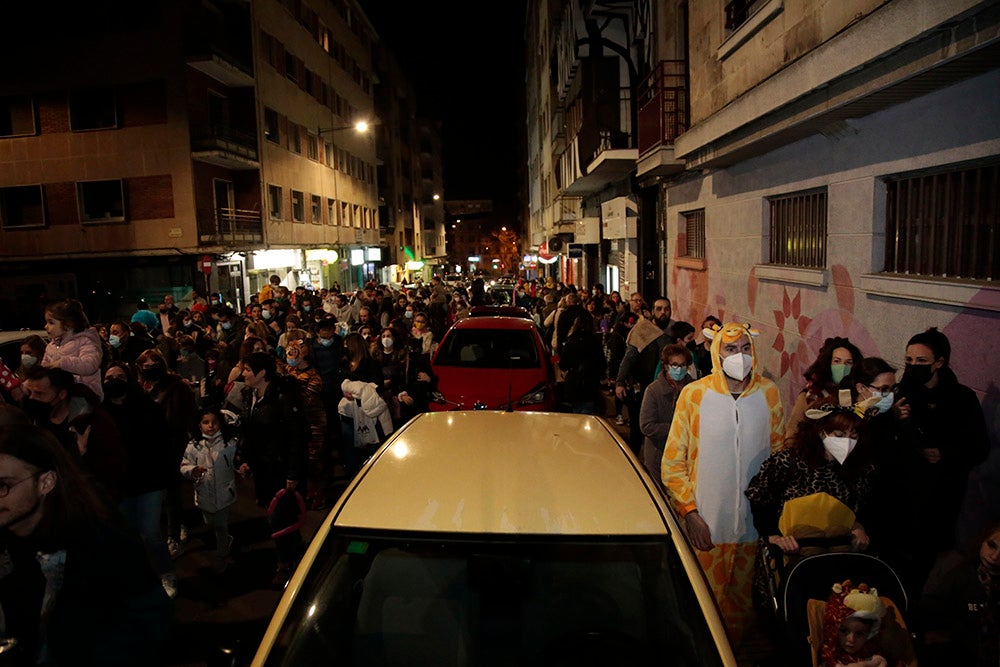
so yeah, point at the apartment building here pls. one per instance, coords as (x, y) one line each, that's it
(160, 147)
(813, 168)
(410, 177)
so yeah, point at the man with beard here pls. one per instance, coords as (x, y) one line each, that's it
(75, 584)
(73, 414)
(638, 367)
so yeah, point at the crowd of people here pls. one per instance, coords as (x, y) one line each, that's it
(296, 389)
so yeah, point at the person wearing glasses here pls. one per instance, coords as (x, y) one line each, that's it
(658, 403)
(76, 586)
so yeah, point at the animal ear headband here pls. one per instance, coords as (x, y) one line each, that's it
(863, 409)
(730, 329)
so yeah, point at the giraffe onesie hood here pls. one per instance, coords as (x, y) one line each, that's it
(716, 444)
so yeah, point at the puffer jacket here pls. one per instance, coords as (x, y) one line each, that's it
(216, 490)
(81, 354)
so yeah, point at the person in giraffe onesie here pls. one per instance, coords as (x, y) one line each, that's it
(724, 426)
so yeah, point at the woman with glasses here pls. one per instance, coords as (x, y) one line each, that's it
(658, 402)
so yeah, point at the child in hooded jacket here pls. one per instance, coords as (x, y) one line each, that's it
(210, 462)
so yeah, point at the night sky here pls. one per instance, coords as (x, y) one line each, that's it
(466, 60)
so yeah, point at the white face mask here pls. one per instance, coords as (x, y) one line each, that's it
(737, 366)
(839, 447)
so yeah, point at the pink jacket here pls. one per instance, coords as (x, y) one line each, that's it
(80, 354)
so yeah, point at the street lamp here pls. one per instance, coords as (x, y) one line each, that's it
(361, 127)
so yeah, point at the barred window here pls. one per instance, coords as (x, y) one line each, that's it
(298, 206)
(694, 223)
(944, 224)
(798, 229)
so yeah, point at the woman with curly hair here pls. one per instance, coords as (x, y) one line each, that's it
(823, 377)
(817, 485)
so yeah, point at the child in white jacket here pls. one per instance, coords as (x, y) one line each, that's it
(210, 462)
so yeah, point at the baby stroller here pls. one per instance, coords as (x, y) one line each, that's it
(799, 586)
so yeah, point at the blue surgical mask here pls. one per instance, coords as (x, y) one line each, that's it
(28, 360)
(408, 314)
(885, 402)
(307, 307)
(114, 341)
(325, 342)
(187, 323)
(293, 362)
(839, 372)
(266, 314)
(227, 325)
(676, 374)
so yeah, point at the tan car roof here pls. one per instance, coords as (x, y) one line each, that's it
(504, 473)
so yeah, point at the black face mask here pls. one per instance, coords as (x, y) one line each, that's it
(916, 375)
(37, 411)
(153, 373)
(115, 388)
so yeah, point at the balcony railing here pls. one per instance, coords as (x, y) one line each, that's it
(231, 225)
(663, 105)
(218, 137)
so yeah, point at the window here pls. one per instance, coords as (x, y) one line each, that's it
(291, 66)
(17, 116)
(312, 144)
(92, 109)
(22, 206)
(274, 207)
(298, 206)
(944, 224)
(317, 210)
(331, 211)
(294, 138)
(798, 230)
(328, 149)
(738, 11)
(694, 234)
(101, 201)
(271, 125)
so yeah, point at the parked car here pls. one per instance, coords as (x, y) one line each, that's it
(499, 538)
(502, 294)
(493, 363)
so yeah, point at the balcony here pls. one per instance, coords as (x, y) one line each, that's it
(567, 212)
(663, 116)
(558, 132)
(230, 227)
(224, 146)
(217, 43)
(606, 139)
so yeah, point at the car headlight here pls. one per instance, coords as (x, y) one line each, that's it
(538, 394)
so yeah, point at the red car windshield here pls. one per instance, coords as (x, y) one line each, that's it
(488, 348)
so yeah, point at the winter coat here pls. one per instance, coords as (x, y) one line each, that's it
(216, 489)
(81, 354)
(275, 433)
(143, 428)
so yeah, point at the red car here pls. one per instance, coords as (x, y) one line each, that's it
(493, 363)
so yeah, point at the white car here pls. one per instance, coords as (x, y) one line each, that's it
(499, 538)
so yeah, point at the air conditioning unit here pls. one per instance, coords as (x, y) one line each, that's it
(556, 244)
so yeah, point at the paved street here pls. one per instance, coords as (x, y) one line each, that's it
(219, 609)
